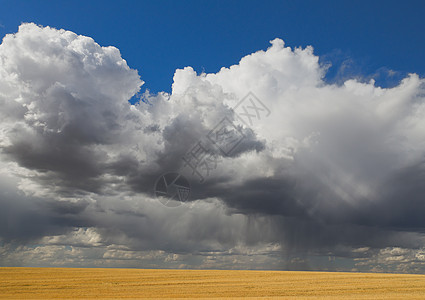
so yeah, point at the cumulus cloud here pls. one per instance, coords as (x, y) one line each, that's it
(330, 169)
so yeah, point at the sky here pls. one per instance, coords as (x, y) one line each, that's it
(158, 37)
(289, 134)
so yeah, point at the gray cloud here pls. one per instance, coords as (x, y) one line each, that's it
(332, 169)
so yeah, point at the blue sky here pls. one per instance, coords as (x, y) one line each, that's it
(157, 37)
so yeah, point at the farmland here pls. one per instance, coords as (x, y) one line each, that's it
(143, 283)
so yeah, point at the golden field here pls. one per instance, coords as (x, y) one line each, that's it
(135, 283)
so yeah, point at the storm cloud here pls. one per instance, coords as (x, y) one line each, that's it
(329, 177)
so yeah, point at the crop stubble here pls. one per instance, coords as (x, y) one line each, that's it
(144, 283)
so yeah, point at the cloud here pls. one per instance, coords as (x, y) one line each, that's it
(64, 100)
(331, 169)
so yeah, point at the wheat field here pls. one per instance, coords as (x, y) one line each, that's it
(44, 283)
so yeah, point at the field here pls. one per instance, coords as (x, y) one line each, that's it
(134, 283)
